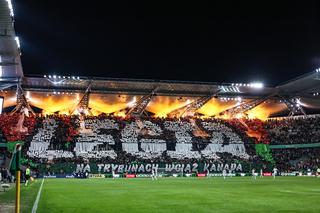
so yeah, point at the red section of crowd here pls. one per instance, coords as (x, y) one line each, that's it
(8, 125)
(254, 128)
(307, 130)
(11, 130)
(70, 128)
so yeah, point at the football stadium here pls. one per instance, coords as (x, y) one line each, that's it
(98, 144)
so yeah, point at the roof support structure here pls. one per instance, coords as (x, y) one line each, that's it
(293, 107)
(83, 105)
(6, 86)
(244, 107)
(22, 102)
(191, 108)
(140, 106)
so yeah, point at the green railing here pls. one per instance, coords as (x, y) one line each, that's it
(288, 146)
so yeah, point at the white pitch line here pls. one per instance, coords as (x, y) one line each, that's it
(35, 205)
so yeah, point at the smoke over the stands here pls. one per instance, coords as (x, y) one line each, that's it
(63, 102)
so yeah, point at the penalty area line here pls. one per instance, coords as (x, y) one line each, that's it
(35, 205)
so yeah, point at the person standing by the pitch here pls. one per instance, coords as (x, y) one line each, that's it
(318, 172)
(28, 173)
(254, 176)
(275, 172)
(113, 174)
(224, 173)
(154, 174)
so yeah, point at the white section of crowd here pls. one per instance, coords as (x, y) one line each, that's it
(143, 139)
(183, 147)
(89, 138)
(40, 143)
(235, 146)
(151, 147)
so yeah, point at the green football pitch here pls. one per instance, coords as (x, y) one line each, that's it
(236, 194)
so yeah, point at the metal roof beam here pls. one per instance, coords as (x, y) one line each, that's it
(140, 106)
(22, 102)
(191, 108)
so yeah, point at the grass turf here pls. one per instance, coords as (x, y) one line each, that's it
(237, 194)
(28, 195)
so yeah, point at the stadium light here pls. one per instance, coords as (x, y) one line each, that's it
(57, 82)
(298, 102)
(10, 7)
(17, 41)
(257, 85)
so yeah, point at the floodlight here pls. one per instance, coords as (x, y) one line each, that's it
(257, 85)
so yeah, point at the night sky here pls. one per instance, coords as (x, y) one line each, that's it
(216, 42)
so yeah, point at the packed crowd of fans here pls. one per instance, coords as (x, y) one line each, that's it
(112, 137)
(294, 130)
(103, 138)
(9, 125)
(297, 159)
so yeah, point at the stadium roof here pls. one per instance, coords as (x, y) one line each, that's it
(306, 86)
(10, 62)
(141, 86)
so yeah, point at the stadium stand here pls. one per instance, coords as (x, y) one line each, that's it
(297, 159)
(294, 130)
(61, 139)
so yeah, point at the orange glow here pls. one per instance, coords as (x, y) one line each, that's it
(121, 113)
(264, 110)
(162, 105)
(215, 106)
(52, 104)
(10, 98)
(111, 103)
